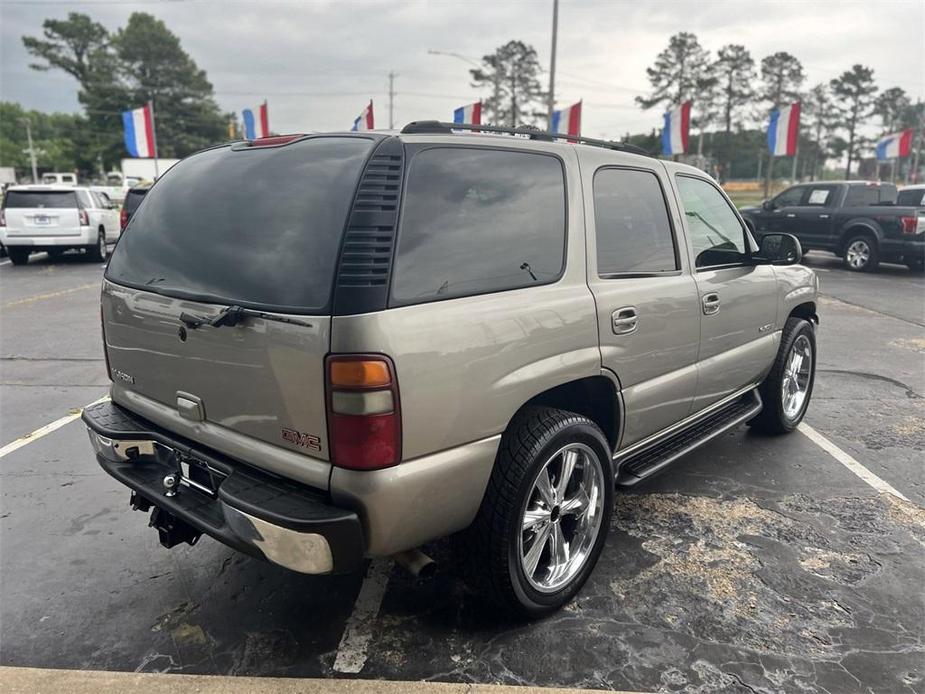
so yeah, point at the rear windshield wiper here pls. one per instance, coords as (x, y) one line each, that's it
(234, 314)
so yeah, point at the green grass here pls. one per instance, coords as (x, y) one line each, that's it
(744, 199)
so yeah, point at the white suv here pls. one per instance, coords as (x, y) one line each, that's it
(56, 218)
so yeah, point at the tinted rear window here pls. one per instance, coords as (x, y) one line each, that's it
(862, 196)
(257, 227)
(911, 198)
(39, 199)
(477, 221)
(133, 199)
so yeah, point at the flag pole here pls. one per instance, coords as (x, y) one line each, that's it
(154, 132)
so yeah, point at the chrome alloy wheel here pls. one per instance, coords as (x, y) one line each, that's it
(796, 377)
(858, 254)
(561, 518)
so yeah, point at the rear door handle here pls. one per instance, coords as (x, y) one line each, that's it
(791, 214)
(624, 320)
(823, 216)
(710, 304)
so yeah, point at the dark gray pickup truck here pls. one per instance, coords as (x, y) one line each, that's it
(856, 220)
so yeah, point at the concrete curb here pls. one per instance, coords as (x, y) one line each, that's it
(16, 680)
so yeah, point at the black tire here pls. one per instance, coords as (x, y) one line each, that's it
(773, 418)
(861, 253)
(98, 252)
(489, 550)
(18, 256)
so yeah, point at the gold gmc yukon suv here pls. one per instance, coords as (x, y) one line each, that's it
(330, 347)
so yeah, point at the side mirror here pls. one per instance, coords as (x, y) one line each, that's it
(779, 249)
(767, 205)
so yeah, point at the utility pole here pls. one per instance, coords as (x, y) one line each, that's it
(35, 169)
(552, 62)
(392, 76)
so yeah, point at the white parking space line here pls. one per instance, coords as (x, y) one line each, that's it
(849, 462)
(351, 653)
(47, 429)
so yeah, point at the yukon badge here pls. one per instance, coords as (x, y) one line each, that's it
(299, 439)
(122, 376)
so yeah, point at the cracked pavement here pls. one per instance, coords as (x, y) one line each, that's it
(755, 564)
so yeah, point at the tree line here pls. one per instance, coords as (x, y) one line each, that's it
(731, 91)
(115, 71)
(733, 95)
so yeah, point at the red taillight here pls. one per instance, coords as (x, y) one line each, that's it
(908, 224)
(84, 218)
(364, 418)
(123, 218)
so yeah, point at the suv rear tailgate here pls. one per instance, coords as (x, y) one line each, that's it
(39, 213)
(255, 387)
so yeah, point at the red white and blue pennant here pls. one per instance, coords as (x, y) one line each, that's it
(139, 132)
(676, 129)
(471, 114)
(259, 126)
(784, 130)
(365, 121)
(895, 145)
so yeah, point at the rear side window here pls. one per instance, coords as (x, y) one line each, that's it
(259, 227)
(631, 223)
(479, 220)
(39, 199)
(716, 234)
(863, 196)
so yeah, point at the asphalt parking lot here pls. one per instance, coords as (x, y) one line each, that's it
(755, 564)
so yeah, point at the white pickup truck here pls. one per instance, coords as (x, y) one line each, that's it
(57, 218)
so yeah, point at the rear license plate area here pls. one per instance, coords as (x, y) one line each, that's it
(41, 220)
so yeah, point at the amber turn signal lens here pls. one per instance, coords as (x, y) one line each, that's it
(357, 373)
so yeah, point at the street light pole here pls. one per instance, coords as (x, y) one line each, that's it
(35, 170)
(551, 106)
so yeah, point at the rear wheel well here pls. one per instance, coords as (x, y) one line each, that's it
(594, 397)
(851, 232)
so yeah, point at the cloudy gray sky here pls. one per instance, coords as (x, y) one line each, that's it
(318, 62)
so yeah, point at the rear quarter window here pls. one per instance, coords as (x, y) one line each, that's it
(479, 220)
(25, 199)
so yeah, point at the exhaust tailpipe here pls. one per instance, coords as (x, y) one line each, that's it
(415, 562)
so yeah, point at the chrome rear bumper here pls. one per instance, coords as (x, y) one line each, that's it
(244, 508)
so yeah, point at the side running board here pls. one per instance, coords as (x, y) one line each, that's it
(645, 462)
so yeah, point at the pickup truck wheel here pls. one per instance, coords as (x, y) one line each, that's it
(861, 253)
(18, 256)
(545, 515)
(788, 387)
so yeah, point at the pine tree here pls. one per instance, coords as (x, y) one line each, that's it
(680, 72)
(734, 70)
(855, 89)
(512, 73)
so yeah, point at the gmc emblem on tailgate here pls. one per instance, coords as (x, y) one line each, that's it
(300, 439)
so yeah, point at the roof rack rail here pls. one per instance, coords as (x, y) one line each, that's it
(435, 127)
